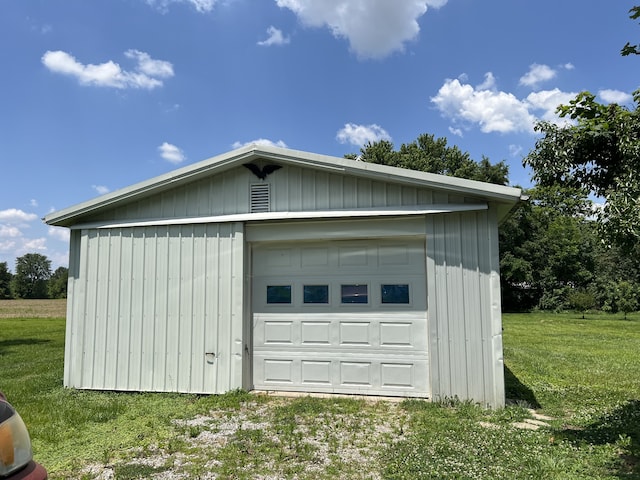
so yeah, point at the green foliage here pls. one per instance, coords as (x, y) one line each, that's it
(5, 281)
(430, 154)
(617, 295)
(581, 300)
(32, 273)
(548, 248)
(57, 284)
(599, 154)
(627, 297)
(630, 49)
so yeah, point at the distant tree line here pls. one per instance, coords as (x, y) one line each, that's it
(33, 279)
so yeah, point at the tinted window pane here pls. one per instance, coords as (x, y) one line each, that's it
(316, 294)
(279, 294)
(395, 293)
(355, 294)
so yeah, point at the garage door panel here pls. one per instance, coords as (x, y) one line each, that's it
(278, 332)
(342, 317)
(366, 375)
(397, 375)
(397, 334)
(279, 371)
(355, 333)
(322, 331)
(316, 372)
(315, 332)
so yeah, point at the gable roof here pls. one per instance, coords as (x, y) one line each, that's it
(506, 196)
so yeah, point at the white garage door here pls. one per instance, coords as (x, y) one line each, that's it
(341, 317)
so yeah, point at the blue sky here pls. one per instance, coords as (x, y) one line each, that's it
(98, 95)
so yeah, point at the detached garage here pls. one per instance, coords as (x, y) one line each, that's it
(271, 269)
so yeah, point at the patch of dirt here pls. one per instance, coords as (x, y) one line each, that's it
(349, 439)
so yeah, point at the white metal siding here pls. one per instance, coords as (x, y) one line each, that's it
(148, 303)
(464, 307)
(292, 189)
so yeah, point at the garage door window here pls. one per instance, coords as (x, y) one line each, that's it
(394, 293)
(355, 293)
(279, 294)
(316, 293)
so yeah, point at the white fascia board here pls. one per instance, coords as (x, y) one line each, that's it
(256, 217)
(385, 172)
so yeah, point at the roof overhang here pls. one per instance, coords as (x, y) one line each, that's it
(505, 197)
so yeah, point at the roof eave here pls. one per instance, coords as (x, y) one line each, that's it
(499, 193)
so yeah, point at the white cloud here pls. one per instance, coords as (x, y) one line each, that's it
(455, 131)
(260, 141)
(59, 233)
(359, 135)
(489, 82)
(149, 66)
(7, 246)
(8, 231)
(568, 66)
(374, 28)
(515, 150)
(275, 38)
(29, 245)
(537, 74)
(148, 73)
(101, 189)
(493, 111)
(33, 202)
(58, 259)
(171, 153)
(548, 101)
(498, 111)
(202, 6)
(615, 96)
(12, 239)
(13, 215)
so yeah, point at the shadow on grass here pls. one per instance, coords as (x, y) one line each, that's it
(4, 344)
(517, 391)
(621, 426)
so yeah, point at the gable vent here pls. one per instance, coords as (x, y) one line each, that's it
(260, 197)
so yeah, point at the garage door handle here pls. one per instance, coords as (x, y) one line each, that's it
(213, 354)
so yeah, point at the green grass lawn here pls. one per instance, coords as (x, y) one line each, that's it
(583, 373)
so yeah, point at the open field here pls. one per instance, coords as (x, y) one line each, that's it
(33, 308)
(584, 375)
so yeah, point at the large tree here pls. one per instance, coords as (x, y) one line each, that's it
(547, 250)
(599, 152)
(57, 285)
(5, 281)
(32, 273)
(433, 155)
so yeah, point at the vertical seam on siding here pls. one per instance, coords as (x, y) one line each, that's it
(129, 309)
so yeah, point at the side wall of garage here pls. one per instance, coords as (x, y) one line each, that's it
(465, 324)
(156, 309)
